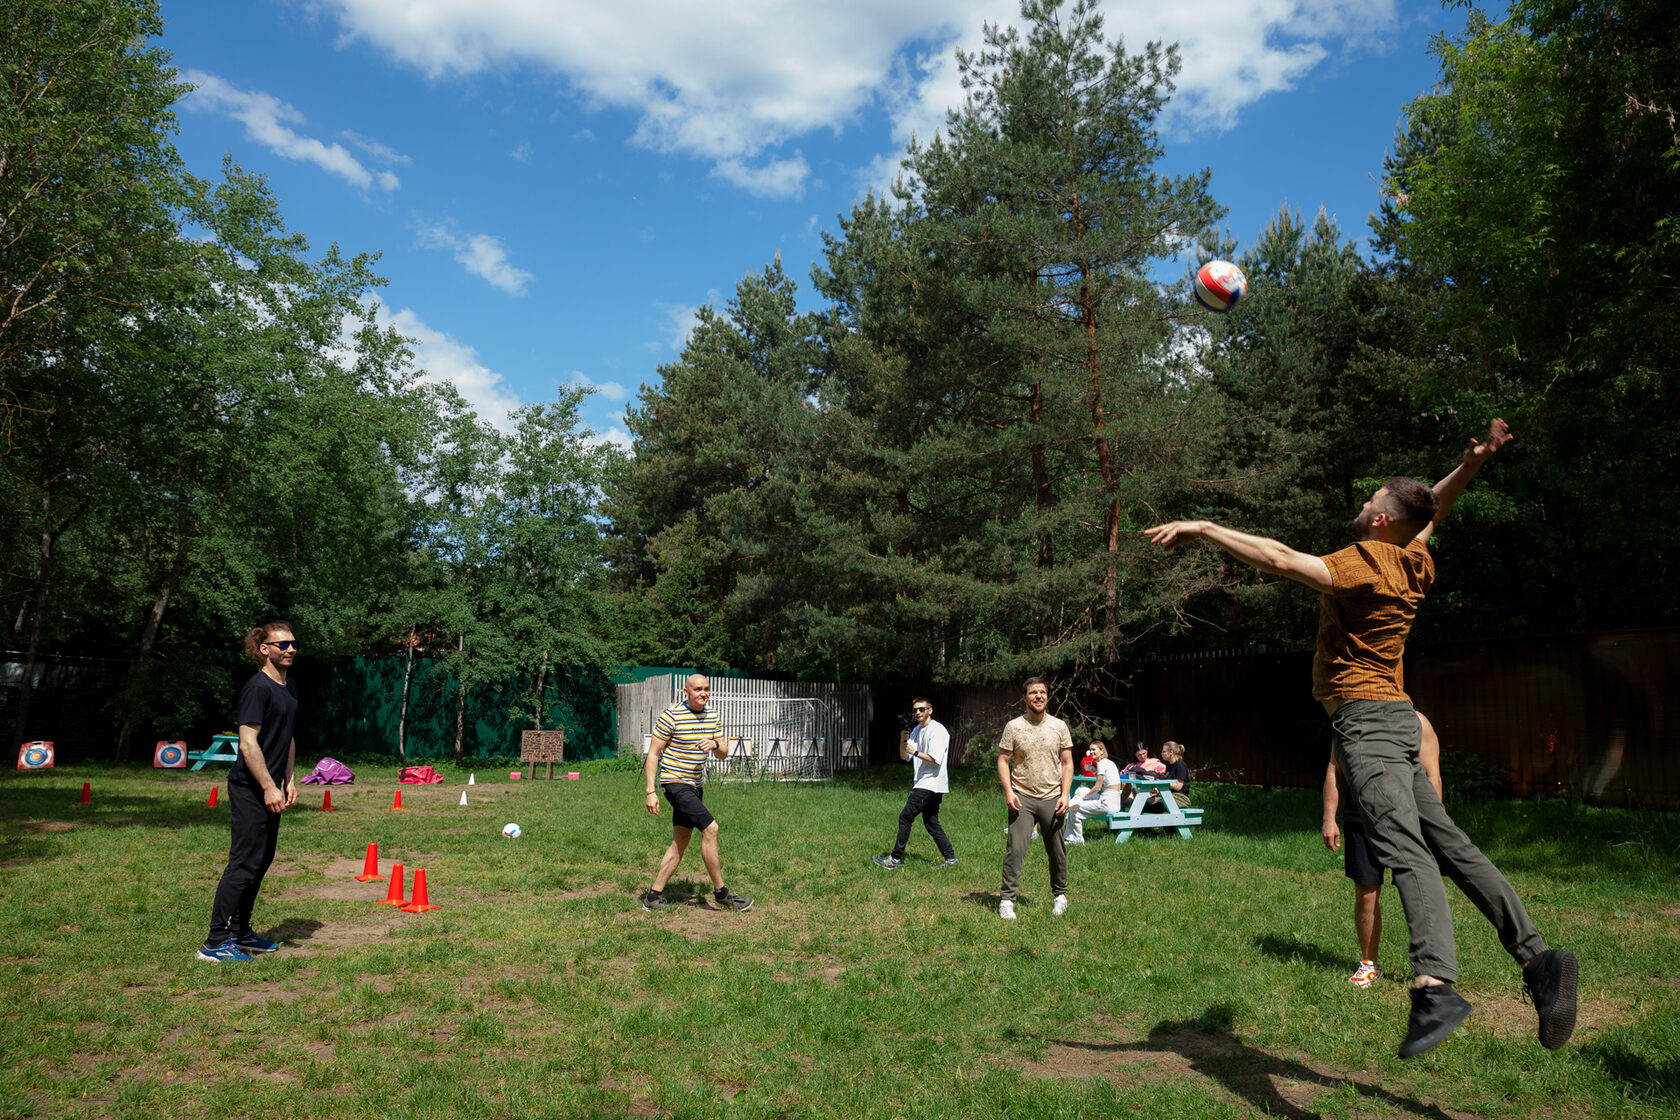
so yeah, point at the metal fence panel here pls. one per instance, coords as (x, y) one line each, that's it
(797, 730)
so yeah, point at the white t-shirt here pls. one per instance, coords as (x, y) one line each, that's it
(935, 742)
(1109, 775)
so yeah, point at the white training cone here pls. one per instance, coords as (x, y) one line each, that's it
(463, 797)
(472, 779)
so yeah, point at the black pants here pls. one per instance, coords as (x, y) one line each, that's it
(255, 832)
(925, 804)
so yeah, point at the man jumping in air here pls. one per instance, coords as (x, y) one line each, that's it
(1370, 592)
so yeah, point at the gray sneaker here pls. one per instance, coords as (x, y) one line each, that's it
(732, 900)
(952, 862)
(889, 862)
(653, 900)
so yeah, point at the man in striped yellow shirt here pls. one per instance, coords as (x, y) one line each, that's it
(683, 736)
(1370, 592)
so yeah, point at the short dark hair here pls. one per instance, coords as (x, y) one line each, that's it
(1413, 504)
(921, 700)
(1030, 681)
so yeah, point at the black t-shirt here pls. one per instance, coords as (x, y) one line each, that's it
(1178, 772)
(273, 706)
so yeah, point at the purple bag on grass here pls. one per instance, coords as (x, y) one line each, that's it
(330, 772)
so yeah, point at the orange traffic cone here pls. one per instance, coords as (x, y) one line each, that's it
(396, 803)
(370, 866)
(418, 905)
(393, 897)
(214, 790)
(326, 801)
(87, 794)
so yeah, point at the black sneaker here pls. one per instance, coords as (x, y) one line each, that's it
(1436, 1012)
(653, 900)
(1550, 979)
(732, 900)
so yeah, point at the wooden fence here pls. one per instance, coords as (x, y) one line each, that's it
(1592, 715)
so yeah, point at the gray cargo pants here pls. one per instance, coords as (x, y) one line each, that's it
(1376, 743)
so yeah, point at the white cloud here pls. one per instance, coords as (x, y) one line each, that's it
(268, 121)
(583, 134)
(616, 436)
(734, 81)
(523, 152)
(482, 255)
(1229, 61)
(444, 358)
(375, 149)
(680, 319)
(608, 390)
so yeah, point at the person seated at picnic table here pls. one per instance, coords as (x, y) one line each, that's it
(1103, 796)
(1172, 755)
(1142, 766)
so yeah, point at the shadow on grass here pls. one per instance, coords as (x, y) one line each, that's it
(176, 808)
(1210, 1047)
(1653, 1081)
(1289, 949)
(288, 930)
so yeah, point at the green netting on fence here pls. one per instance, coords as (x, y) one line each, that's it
(354, 706)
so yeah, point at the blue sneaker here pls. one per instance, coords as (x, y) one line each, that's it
(251, 943)
(228, 952)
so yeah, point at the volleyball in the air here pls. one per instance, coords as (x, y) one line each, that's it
(1219, 285)
(511, 830)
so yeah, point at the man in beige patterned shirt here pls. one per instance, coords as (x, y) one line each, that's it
(1035, 765)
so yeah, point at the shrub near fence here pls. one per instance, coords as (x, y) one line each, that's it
(350, 705)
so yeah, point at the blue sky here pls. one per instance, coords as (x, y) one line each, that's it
(556, 185)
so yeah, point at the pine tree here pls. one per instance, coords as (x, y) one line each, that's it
(1019, 358)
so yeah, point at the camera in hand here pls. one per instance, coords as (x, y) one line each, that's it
(907, 722)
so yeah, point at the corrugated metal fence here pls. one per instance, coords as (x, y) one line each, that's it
(797, 730)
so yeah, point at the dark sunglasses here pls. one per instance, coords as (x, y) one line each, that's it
(282, 646)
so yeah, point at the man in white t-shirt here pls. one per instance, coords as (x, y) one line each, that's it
(928, 747)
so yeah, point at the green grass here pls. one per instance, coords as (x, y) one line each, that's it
(1200, 978)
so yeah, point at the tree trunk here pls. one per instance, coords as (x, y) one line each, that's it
(1111, 483)
(402, 712)
(542, 685)
(34, 605)
(148, 634)
(460, 706)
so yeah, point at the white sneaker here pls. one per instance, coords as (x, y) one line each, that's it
(1060, 907)
(1006, 910)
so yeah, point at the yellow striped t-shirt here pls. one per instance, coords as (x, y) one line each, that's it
(688, 735)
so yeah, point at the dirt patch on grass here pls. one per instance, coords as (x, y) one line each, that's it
(1208, 1052)
(1670, 911)
(264, 995)
(1512, 1016)
(341, 884)
(39, 827)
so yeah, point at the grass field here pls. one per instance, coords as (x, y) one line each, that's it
(1200, 978)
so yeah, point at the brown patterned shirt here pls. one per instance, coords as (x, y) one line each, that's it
(1363, 622)
(1035, 756)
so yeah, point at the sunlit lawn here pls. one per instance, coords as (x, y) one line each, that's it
(1191, 978)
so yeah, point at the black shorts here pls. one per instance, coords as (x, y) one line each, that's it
(1358, 859)
(688, 808)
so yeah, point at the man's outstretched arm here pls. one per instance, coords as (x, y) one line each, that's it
(1257, 552)
(1475, 457)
